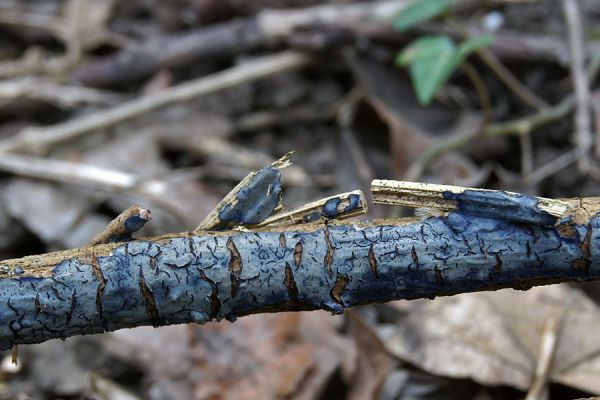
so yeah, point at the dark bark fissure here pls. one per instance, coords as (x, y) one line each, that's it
(282, 242)
(101, 286)
(329, 254)
(150, 301)
(215, 303)
(373, 261)
(235, 267)
(415, 258)
(338, 288)
(290, 283)
(298, 249)
(498, 264)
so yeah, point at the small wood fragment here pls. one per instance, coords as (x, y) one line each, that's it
(253, 200)
(121, 228)
(340, 206)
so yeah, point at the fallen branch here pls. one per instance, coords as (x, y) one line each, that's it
(35, 89)
(76, 173)
(205, 276)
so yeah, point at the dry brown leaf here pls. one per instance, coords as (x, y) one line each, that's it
(374, 361)
(287, 356)
(86, 22)
(51, 211)
(283, 356)
(494, 337)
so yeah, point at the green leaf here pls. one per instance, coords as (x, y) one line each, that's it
(433, 59)
(419, 11)
(473, 44)
(428, 59)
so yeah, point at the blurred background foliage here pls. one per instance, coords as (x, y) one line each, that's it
(497, 93)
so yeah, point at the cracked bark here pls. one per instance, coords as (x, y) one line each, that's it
(204, 276)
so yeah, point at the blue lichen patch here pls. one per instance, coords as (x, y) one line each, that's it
(175, 295)
(121, 297)
(176, 256)
(35, 309)
(310, 275)
(143, 247)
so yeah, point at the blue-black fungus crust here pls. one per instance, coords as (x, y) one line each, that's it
(201, 278)
(331, 210)
(134, 223)
(501, 205)
(254, 202)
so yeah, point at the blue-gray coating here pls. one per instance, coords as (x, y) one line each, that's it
(501, 205)
(255, 201)
(191, 278)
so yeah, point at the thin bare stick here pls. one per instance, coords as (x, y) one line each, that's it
(228, 38)
(48, 23)
(105, 179)
(518, 126)
(482, 92)
(583, 122)
(507, 77)
(78, 173)
(504, 74)
(44, 90)
(35, 139)
(545, 358)
(340, 206)
(279, 23)
(552, 167)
